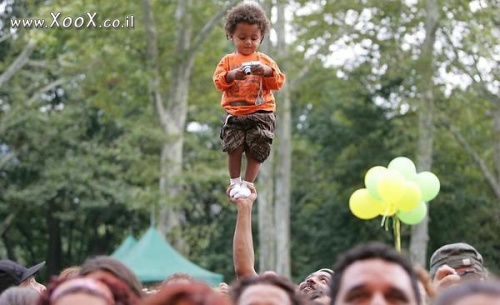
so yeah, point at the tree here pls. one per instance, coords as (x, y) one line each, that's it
(284, 160)
(172, 111)
(65, 177)
(420, 236)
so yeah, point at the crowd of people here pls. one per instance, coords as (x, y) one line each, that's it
(370, 273)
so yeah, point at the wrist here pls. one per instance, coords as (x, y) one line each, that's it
(228, 77)
(245, 205)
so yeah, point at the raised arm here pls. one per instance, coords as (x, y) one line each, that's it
(243, 251)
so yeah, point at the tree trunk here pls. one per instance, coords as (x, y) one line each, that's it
(266, 221)
(54, 249)
(266, 225)
(172, 117)
(173, 121)
(284, 164)
(419, 233)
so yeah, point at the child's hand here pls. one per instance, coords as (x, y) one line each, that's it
(262, 70)
(235, 74)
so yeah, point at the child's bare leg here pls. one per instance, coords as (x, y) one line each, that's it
(234, 162)
(251, 173)
(253, 168)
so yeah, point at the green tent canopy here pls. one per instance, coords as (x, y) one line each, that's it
(153, 259)
(124, 247)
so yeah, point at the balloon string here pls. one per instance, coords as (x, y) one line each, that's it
(397, 233)
(383, 220)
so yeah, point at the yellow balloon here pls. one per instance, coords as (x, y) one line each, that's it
(387, 209)
(411, 197)
(363, 205)
(391, 187)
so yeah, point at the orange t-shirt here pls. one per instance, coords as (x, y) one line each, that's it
(239, 96)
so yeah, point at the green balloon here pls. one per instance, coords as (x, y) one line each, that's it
(429, 185)
(405, 166)
(414, 216)
(371, 179)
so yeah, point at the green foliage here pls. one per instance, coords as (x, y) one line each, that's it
(79, 160)
(341, 136)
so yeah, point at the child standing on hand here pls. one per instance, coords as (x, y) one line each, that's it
(246, 78)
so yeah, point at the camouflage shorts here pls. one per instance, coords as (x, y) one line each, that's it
(255, 131)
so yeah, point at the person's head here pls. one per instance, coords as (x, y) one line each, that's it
(14, 274)
(176, 278)
(374, 272)
(470, 293)
(70, 272)
(266, 289)
(464, 258)
(193, 293)
(104, 289)
(316, 284)
(19, 296)
(246, 25)
(104, 264)
(80, 290)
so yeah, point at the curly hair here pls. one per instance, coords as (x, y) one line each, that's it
(247, 12)
(278, 281)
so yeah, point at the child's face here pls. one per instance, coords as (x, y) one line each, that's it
(246, 38)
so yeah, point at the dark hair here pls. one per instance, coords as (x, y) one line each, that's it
(327, 270)
(278, 281)
(116, 268)
(19, 296)
(371, 250)
(250, 13)
(454, 293)
(195, 293)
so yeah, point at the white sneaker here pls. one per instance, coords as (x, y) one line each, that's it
(235, 190)
(243, 192)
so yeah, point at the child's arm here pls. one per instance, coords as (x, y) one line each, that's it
(237, 73)
(273, 78)
(223, 77)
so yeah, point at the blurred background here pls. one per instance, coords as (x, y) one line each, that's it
(109, 123)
